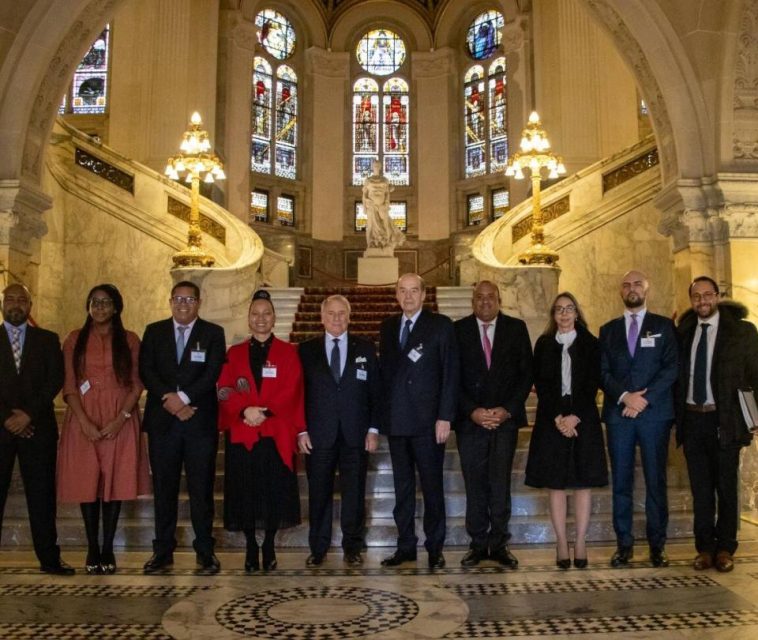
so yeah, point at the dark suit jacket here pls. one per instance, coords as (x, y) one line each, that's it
(734, 366)
(417, 394)
(161, 374)
(507, 382)
(34, 388)
(352, 406)
(653, 368)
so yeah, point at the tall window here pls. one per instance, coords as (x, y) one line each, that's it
(88, 93)
(381, 110)
(274, 99)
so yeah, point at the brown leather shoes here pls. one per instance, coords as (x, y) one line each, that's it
(703, 561)
(724, 561)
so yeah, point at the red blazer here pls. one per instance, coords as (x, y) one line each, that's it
(282, 395)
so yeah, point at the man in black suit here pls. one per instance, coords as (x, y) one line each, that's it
(180, 361)
(419, 365)
(638, 367)
(496, 377)
(719, 356)
(31, 370)
(341, 375)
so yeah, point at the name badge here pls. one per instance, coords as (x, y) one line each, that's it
(197, 355)
(361, 374)
(414, 355)
(647, 342)
(84, 387)
(269, 371)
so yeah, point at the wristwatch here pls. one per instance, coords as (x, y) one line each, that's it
(126, 414)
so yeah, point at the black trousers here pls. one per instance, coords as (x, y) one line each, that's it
(422, 453)
(321, 465)
(36, 461)
(486, 462)
(714, 477)
(194, 448)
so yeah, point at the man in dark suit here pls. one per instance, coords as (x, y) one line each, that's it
(419, 365)
(638, 365)
(31, 370)
(180, 361)
(342, 398)
(496, 377)
(719, 356)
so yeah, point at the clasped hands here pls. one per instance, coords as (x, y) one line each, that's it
(490, 418)
(19, 423)
(567, 425)
(173, 403)
(634, 403)
(108, 432)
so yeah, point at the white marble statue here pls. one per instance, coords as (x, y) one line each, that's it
(381, 232)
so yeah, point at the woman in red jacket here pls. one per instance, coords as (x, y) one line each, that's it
(261, 410)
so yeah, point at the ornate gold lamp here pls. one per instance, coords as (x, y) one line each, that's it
(195, 162)
(535, 155)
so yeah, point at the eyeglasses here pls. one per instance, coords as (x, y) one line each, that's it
(706, 297)
(569, 308)
(184, 299)
(101, 303)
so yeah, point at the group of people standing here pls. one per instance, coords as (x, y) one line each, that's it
(331, 397)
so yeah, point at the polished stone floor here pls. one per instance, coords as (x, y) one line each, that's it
(336, 602)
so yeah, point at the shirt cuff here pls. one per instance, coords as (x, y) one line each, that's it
(373, 430)
(621, 397)
(183, 396)
(302, 433)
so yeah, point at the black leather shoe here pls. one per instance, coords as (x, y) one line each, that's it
(622, 557)
(473, 557)
(436, 561)
(58, 568)
(158, 562)
(563, 563)
(580, 563)
(658, 557)
(353, 558)
(208, 564)
(251, 560)
(398, 558)
(504, 557)
(315, 560)
(269, 559)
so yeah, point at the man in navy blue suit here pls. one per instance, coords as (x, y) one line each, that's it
(419, 365)
(639, 357)
(342, 395)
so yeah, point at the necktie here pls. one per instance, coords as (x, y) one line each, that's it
(404, 334)
(634, 331)
(487, 344)
(16, 347)
(699, 394)
(334, 360)
(180, 342)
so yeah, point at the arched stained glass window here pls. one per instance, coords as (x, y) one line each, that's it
(484, 34)
(380, 52)
(365, 127)
(286, 122)
(474, 118)
(498, 115)
(89, 90)
(275, 34)
(262, 96)
(395, 102)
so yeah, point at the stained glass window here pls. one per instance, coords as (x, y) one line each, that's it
(475, 209)
(485, 117)
(262, 95)
(484, 34)
(275, 34)
(474, 119)
(258, 206)
(498, 116)
(501, 202)
(398, 215)
(380, 52)
(88, 93)
(286, 122)
(285, 211)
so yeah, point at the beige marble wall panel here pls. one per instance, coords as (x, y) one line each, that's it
(744, 252)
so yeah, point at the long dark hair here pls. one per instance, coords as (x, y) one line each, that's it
(552, 326)
(122, 355)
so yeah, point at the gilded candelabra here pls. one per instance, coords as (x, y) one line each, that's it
(535, 155)
(195, 162)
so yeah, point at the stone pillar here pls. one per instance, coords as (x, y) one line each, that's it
(329, 73)
(435, 105)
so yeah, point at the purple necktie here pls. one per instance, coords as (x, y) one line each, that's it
(631, 339)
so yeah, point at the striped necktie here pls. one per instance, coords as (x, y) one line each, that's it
(16, 347)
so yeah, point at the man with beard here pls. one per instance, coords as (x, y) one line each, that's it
(638, 369)
(719, 356)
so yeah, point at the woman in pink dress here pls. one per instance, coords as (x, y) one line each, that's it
(102, 458)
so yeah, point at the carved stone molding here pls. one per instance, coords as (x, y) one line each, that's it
(432, 64)
(327, 63)
(745, 136)
(742, 219)
(512, 37)
(244, 35)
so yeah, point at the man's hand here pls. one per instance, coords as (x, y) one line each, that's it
(500, 414)
(442, 430)
(372, 441)
(185, 413)
(635, 400)
(567, 425)
(629, 413)
(17, 422)
(304, 443)
(172, 403)
(254, 416)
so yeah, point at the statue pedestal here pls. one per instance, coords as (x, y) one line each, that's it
(378, 266)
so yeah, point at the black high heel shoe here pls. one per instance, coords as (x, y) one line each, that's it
(108, 563)
(92, 565)
(580, 563)
(269, 559)
(561, 563)
(251, 560)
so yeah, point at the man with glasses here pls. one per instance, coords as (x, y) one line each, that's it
(31, 371)
(719, 356)
(638, 367)
(180, 361)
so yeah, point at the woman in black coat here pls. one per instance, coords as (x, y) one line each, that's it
(567, 450)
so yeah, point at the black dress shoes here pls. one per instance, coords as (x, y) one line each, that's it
(316, 559)
(399, 557)
(353, 559)
(58, 568)
(504, 557)
(622, 557)
(436, 560)
(563, 563)
(580, 563)
(158, 562)
(207, 564)
(251, 560)
(473, 557)
(658, 557)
